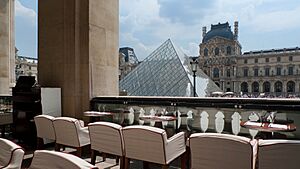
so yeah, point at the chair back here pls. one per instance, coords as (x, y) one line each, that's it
(11, 155)
(44, 159)
(106, 137)
(66, 131)
(278, 154)
(44, 126)
(214, 150)
(145, 143)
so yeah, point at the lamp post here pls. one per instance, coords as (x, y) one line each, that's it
(194, 64)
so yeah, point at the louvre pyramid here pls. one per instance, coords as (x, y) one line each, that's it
(166, 72)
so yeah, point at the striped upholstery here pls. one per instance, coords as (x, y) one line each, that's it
(150, 144)
(11, 155)
(44, 126)
(214, 151)
(70, 132)
(273, 154)
(106, 137)
(44, 159)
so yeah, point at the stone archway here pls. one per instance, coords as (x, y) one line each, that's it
(244, 87)
(266, 87)
(290, 87)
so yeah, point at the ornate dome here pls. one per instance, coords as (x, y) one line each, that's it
(221, 30)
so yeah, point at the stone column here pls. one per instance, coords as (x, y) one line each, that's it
(7, 45)
(78, 50)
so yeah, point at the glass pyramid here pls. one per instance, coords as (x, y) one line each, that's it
(166, 72)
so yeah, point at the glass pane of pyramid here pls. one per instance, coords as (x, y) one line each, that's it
(166, 72)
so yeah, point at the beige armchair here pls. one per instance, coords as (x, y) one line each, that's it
(70, 132)
(278, 154)
(11, 155)
(44, 129)
(44, 159)
(106, 138)
(214, 150)
(150, 144)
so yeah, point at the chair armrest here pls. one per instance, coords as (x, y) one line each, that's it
(176, 137)
(84, 137)
(188, 142)
(81, 122)
(175, 146)
(16, 160)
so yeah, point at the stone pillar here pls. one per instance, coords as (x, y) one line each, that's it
(78, 50)
(7, 45)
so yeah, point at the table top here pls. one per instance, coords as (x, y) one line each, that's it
(158, 118)
(96, 114)
(268, 127)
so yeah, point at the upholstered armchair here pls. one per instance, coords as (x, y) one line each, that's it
(150, 144)
(44, 159)
(278, 154)
(107, 138)
(215, 150)
(11, 155)
(70, 132)
(44, 129)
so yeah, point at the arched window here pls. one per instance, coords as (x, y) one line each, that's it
(205, 52)
(255, 87)
(228, 72)
(216, 72)
(290, 87)
(217, 51)
(244, 87)
(266, 87)
(228, 50)
(278, 87)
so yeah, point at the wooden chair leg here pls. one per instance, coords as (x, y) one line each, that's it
(40, 143)
(104, 156)
(126, 163)
(79, 151)
(183, 158)
(188, 157)
(122, 162)
(93, 157)
(57, 147)
(117, 160)
(145, 165)
(165, 166)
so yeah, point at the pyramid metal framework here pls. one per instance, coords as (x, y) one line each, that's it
(166, 72)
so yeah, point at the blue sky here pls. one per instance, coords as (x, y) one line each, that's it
(145, 24)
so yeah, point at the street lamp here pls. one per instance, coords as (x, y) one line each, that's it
(194, 64)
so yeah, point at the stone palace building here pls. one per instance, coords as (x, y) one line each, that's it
(273, 72)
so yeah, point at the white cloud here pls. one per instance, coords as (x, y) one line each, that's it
(142, 20)
(277, 20)
(24, 12)
(192, 49)
(141, 50)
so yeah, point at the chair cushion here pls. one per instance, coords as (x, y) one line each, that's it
(11, 154)
(213, 150)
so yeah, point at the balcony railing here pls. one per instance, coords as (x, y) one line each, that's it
(222, 115)
(6, 109)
